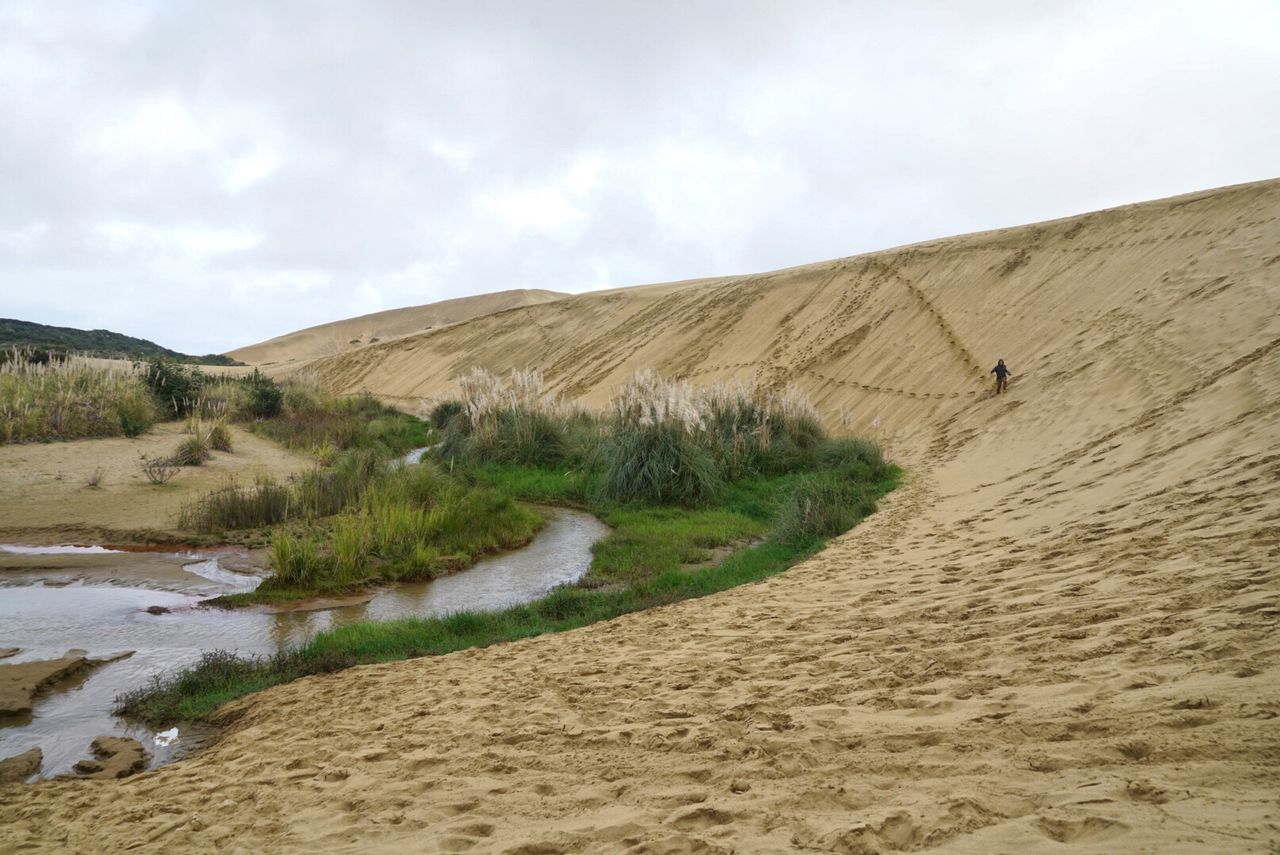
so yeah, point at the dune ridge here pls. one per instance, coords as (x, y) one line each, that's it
(349, 333)
(1058, 635)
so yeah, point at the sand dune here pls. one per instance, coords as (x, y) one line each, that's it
(345, 335)
(1059, 635)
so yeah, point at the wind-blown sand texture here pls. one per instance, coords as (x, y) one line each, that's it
(1058, 635)
(341, 336)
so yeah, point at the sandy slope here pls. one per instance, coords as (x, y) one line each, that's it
(344, 335)
(1058, 636)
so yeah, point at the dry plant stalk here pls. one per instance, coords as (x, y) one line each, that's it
(648, 399)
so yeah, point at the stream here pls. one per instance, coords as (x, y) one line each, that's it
(53, 599)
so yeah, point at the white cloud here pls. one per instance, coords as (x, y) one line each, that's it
(152, 127)
(192, 243)
(24, 238)
(547, 210)
(248, 169)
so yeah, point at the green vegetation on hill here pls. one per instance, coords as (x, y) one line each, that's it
(47, 341)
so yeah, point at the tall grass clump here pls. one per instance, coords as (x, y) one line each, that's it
(443, 412)
(233, 506)
(409, 523)
(505, 420)
(753, 431)
(822, 506)
(296, 560)
(657, 448)
(70, 398)
(192, 451)
(311, 419)
(220, 437)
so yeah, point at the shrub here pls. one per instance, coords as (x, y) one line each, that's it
(176, 388)
(265, 395)
(94, 479)
(159, 469)
(192, 451)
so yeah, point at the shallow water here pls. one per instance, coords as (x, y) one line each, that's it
(19, 549)
(46, 620)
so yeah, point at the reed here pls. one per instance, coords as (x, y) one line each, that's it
(71, 398)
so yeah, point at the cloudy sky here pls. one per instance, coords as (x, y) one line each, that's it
(210, 174)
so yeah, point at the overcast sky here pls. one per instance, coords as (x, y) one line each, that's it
(211, 174)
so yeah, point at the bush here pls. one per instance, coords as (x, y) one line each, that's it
(265, 395)
(176, 388)
(159, 470)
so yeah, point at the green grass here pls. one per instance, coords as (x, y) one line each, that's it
(411, 524)
(646, 539)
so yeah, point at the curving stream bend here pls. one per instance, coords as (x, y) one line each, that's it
(47, 608)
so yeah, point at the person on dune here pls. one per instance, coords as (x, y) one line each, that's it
(1003, 374)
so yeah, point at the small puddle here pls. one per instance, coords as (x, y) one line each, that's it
(104, 610)
(19, 549)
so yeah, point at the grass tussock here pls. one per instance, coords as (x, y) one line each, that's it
(192, 451)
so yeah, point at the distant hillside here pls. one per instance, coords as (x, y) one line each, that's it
(341, 336)
(104, 343)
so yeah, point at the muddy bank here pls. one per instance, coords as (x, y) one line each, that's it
(112, 757)
(20, 766)
(21, 682)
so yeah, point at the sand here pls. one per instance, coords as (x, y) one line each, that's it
(44, 496)
(1057, 636)
(339, 336)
